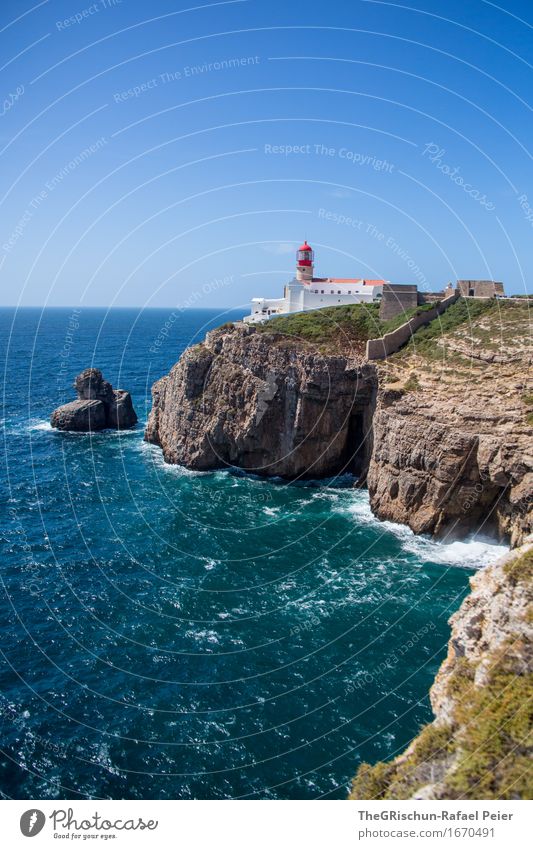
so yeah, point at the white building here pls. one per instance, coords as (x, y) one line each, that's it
(306, 292)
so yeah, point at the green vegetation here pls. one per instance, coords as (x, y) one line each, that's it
(488, 323)
(486, 753)
(412, 383)
(399, 779)
(348, 325)
(528, 401)
(521, 569)
(495, 745)
(404, 316)
(461, 312)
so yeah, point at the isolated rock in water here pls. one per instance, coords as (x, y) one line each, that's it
(98, 406)
(80, 416)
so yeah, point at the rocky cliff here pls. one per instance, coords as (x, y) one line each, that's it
(446, 442)
(249, 399)
(449, 466)
(452, 432)
(480, 744)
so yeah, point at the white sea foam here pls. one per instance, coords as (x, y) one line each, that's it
(39, 424)
(470, 554)
(155, 456)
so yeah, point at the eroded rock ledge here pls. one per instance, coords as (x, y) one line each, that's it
(450, 465)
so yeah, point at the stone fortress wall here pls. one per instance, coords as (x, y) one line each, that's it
(480, 288)
(378, 349)
(397, 298)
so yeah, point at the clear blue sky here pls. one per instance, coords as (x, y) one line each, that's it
(146, 147)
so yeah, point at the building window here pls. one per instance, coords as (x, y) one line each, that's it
(349, 291)
(321, 291)
(339, 292)
(333, 291)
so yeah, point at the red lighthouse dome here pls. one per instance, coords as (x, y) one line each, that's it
(305, 248)
(304, 255)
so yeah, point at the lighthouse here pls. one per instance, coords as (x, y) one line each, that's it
(307, 292)
(304, 263)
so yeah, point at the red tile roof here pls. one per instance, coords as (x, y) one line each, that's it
(347, 281)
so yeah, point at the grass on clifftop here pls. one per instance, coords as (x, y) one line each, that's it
(345, 325)
(488, 322)
(348, 325)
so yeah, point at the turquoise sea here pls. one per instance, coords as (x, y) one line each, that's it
(169, 634)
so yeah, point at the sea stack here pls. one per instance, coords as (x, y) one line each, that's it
(98, 406)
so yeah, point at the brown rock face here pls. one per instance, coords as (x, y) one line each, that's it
(98, 406)
(80, 416)
(449, 466)
(496, 614)
(90, 384)
(253, 400)
(120, 412)
(453, 435)
(448, 454)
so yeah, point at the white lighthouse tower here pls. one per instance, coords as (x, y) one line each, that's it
(304, 263)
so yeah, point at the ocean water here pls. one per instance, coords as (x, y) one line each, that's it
(169, 634)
